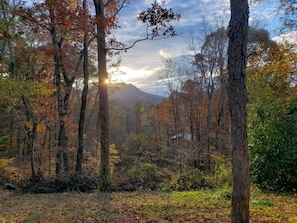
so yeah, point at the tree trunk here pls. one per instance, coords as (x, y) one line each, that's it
(208, 122)
(222, 115)
(31, 134)
(103, 98)
(176, 119)
(137, 120)
(238, 33)
(83, 108)
(49, 148)
(63, 91)
(11, 133)
(62, 137)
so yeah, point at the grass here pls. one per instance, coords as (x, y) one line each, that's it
(159, 207)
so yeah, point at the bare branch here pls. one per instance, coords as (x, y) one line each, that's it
(107, 3)
(120, 8)
(137, 41)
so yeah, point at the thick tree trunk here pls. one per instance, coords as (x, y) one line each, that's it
(238, 33)
(103, 98)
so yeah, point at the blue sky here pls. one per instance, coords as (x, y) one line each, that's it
(141, 64)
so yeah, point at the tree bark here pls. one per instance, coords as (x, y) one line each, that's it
(31, 134)
(83, 108)
(63, 85)
(210, 86)
(103, 97)
(222, 116)
(238, 34)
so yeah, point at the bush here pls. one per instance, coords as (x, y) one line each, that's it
(146, 173)
(144, 177)
(222, 175)
(187, 180)
(273, 150)
(9, 173)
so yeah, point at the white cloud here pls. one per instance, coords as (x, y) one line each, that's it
(164, 54)
(290, 38)
(141, 63)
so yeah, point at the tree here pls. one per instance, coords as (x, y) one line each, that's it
(210, 64)
(101, 25)
(156, 18)
(83, 108)
(25, 73)
(273, 120)
(237, 55)
(289, 18)
(172, 73)
(59, 26)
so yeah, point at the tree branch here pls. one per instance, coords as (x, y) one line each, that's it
(135, 42)
(107, 3)
(120, 8)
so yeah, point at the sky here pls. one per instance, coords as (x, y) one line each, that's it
(141, 65)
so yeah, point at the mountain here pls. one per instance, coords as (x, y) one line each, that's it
(128, 92)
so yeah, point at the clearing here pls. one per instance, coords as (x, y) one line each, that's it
(143, 206)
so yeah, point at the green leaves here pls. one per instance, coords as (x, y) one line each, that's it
(273, 123)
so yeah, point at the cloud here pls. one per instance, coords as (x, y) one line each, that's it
(164, 54)
(290, 38)
(145, 58)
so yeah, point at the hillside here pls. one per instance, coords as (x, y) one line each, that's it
(128, 92)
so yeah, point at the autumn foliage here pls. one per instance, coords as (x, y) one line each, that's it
(179, 143)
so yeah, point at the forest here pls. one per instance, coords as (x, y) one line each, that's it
(62, 131)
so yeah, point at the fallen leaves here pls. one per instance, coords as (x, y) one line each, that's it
(193, 206)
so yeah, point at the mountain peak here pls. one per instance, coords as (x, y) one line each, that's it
(129, 92)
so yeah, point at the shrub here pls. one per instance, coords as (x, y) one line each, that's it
(222, 175)
(273, 150)
(187, 180)
(146, 173)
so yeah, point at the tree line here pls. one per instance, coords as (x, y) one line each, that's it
(45, 50)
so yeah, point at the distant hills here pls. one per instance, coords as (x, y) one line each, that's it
(128, 92)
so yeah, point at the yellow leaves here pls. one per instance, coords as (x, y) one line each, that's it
(4, 163)
(293, 220)
(114, 157)
(72, 4)
(10, 172)
(275, 75)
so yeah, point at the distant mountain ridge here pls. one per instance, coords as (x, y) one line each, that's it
(128, 92)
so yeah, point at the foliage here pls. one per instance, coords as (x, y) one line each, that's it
(289, 14)
(10, 173)
(114, 157)
(159, 18)
(188, 179)
(146, 173)
(273, 147)
(222, 173)
(262, 202)
(273, 121)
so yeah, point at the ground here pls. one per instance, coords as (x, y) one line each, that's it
(143, 206)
